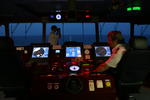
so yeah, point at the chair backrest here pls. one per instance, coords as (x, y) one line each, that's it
(139, 43)
(11, 69)
(135, 64)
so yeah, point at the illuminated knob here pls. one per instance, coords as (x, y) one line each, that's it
(58, 16)
(87, 51)
(56, 86)
(107, 83)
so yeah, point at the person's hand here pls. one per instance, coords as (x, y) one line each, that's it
(58, 29)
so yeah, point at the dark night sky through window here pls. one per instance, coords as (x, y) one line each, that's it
(27, 33)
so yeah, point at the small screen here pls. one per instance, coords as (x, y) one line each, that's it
(57, 51)
(73, 51)
(102, 51)
(40, 52)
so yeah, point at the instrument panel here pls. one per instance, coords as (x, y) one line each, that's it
(61, 70)
(70, 58)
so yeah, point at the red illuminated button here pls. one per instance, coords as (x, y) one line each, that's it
(73, 63)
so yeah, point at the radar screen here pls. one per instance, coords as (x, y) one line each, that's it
(40, 52)
(102, 51)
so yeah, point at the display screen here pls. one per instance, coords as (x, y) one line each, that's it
(57, 51)
(102, 51)
(40, 52)
(73, 51)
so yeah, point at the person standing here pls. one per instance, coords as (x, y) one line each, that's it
(55, 35)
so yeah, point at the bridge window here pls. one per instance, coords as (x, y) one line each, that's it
(48, 29)
(142, 30)
(2, 30)
(106, 27)
(26, 33)
(79, 32)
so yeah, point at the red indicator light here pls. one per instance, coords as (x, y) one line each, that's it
(49, 75)
(74, 63)
(88, 16)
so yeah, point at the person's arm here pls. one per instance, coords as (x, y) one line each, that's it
(113, 61)
(102, 68)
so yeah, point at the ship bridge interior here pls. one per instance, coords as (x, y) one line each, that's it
(32, 68)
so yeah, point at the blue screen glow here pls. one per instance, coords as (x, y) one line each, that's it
(40, 52)
(73, 51)
(102, 51)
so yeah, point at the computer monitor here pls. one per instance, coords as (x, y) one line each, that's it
(40, 52)
(102, 51)
(73, 51)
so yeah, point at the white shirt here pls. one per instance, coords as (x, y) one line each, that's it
(53, 38)
(117, 53)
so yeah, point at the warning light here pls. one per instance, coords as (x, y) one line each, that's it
(52, 16)
(108, 83)
(129, 9)
(58, 16)
(73, 63)
(87, 16)
(136, 8)
(134, 5)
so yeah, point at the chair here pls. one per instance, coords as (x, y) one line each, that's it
(133, 68)
(12, 78)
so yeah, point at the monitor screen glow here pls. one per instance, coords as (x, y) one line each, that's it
(40, 52)
(57, 51)
(73, 51)
(102, 51)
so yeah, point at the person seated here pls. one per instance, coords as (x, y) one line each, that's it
(117, 43)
